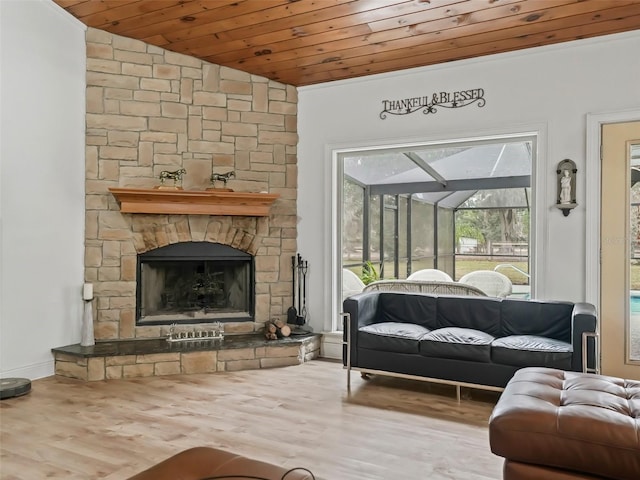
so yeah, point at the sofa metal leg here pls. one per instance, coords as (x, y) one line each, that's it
(585, 351)
(347, 328)
(458, 393)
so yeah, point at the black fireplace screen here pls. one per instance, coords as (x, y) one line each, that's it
(194, 282)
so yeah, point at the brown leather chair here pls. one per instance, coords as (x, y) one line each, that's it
(204, 462)
(556, 425)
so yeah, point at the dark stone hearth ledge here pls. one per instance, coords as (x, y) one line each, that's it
(151, 346)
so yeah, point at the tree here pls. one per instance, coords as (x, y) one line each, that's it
(507, 221)
(469, 224)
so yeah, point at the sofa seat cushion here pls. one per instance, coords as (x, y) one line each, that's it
(391, 337)
(457, 343)
(532, 351)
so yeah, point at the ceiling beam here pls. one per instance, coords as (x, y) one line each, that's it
(415, 158)
(452, 185)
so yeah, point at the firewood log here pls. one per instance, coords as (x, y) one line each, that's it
(270, 331)
(285, 330)
(276, 329)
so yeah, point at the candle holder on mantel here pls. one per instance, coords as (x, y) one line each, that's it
(176, 176)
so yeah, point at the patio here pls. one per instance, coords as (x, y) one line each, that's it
(457, 208)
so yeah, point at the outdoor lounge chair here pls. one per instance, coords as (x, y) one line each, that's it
(430, 274)
(441, 288)
(351, 283)
(494, 284)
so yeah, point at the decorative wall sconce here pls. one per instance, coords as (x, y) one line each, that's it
(566, 174)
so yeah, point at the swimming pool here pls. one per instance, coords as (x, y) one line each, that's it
(635, 303)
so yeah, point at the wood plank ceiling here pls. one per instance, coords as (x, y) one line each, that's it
(303, 42)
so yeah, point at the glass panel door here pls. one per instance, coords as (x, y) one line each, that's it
(634, 254)
(619, 264)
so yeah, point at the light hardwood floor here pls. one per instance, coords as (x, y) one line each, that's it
(385, 429)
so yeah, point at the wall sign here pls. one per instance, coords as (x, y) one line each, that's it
(430, 104)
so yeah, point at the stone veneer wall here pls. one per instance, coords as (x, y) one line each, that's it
(149, 110)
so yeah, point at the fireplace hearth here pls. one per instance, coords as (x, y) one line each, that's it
(156, 356)
(194, 282)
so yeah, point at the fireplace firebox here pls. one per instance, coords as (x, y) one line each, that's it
(194, 282)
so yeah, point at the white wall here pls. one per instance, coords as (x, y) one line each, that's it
(42, 184)
(548, 89)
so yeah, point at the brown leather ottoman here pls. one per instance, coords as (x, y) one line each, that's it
(557, 425)
(204, 462)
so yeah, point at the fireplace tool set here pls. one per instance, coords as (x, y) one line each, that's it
(299, 316)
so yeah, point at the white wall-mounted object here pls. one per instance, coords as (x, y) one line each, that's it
(566, 184)
(87, 291)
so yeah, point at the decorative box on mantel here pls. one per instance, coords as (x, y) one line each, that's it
(193, 202)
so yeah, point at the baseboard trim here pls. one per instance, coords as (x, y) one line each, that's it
(32, 372)
(331, 346)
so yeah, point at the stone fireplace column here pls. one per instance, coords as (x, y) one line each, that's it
(150, 110)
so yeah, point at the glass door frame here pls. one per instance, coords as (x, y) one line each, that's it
(593, 203)
(615, 238)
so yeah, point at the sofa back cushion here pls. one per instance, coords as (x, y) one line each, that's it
(532, 317)
(477, 313)
(418, 308)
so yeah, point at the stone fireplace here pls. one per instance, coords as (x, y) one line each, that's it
(150, 110)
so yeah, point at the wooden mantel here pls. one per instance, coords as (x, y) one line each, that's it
(192, 202)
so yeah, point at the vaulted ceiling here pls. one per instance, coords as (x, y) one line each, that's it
(303, 42)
